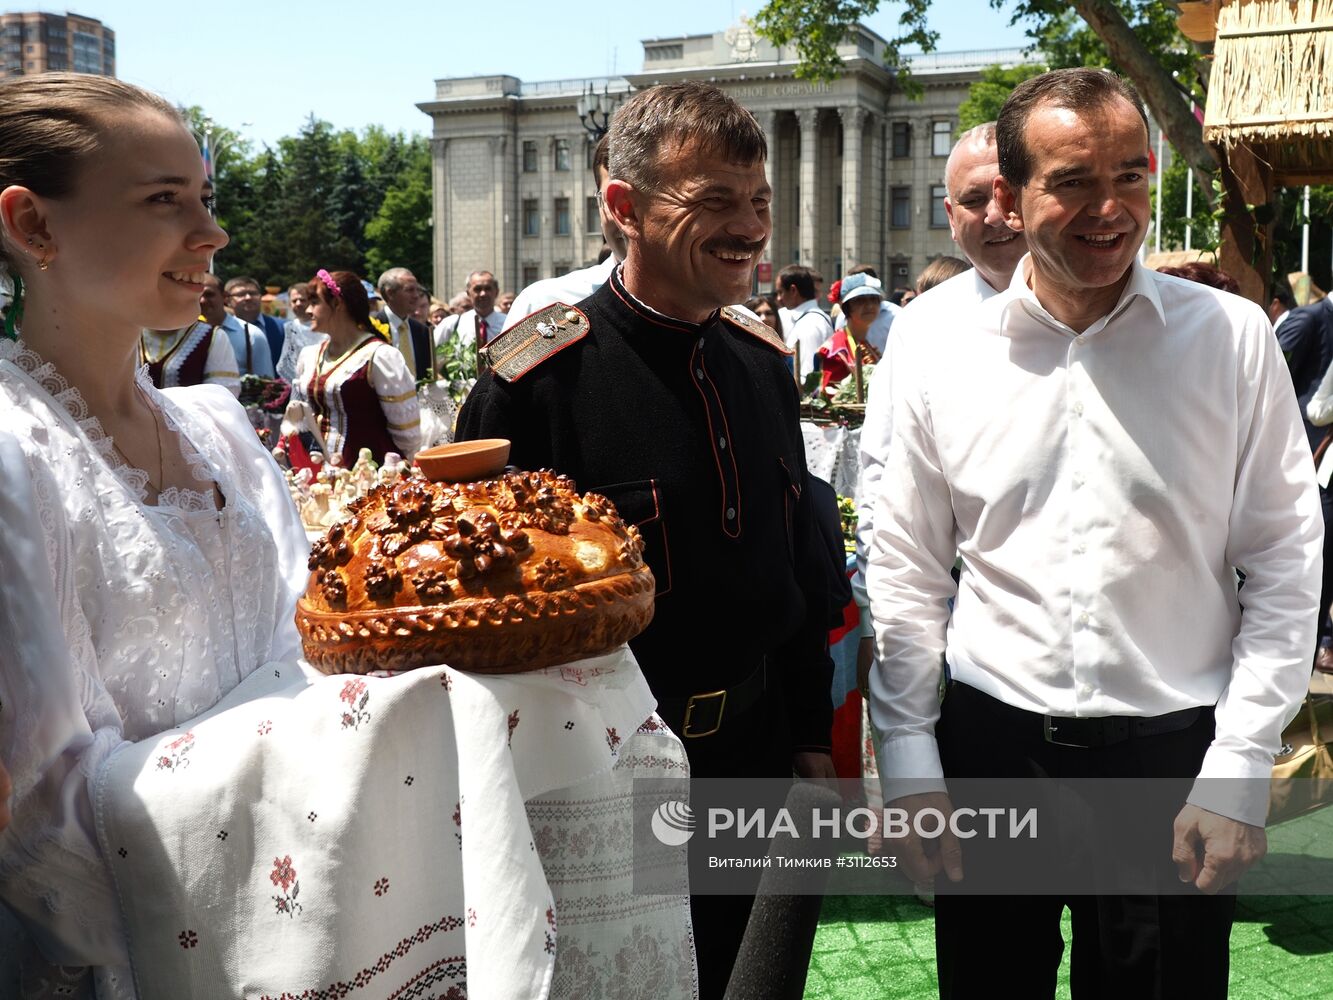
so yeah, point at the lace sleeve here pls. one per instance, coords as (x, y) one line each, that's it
(58, 725)
(397, 393)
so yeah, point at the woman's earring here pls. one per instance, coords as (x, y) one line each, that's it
(45, 262)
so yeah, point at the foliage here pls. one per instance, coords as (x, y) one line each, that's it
(322, 198)
(986, 96)
(817, 27)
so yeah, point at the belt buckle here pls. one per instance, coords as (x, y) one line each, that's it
(1049, 729)
(689, 712)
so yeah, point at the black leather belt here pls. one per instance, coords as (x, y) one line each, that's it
(702, 713)
(1102, 731)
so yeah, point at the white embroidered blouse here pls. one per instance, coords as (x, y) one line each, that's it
(119, 620)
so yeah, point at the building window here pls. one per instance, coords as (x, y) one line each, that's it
(592, 218)
(529, 274)
(562, 216)
(529, 157)
(837, 208)
(563, 267)
(900, 198)
(531, 217)
(902, 140)
(939, 218)
(941, 138)
(562, 154)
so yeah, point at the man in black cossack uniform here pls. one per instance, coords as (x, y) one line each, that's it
(681, 411)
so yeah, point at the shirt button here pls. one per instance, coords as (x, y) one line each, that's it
(1079, 549)
(699, 374)
(731, 513)
(1083, 619)
(722, 443)
(1078, 409)
(1078, 481)
(701, 342)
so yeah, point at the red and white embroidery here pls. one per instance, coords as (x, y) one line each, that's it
(284, 876)
(613, 740)
(355, 694)
(177, 753)
(513, 724)
(381, 886)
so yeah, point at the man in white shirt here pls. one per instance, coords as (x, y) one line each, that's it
(483, 317)
(1050, 441)
(248, 342)
(804, 325)
(577, 285)
(978, 227)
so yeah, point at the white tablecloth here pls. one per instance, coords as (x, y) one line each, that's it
(831, 454)
(434, 833)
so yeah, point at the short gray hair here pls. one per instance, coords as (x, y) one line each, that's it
(654, 120)
(393, 279)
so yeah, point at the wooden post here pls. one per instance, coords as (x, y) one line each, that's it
(1246, 252)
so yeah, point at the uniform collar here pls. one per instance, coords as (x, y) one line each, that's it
(647, 312)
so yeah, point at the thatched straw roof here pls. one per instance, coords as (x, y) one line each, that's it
(1271, 86)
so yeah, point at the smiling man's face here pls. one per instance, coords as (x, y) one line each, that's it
(696, 237)
(975, 220)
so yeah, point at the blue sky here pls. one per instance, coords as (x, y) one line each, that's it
(353, 63)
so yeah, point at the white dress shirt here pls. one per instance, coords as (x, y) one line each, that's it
(1101, 490)
(805, 328)
(464, 327)
(938, 308)
(571, 289)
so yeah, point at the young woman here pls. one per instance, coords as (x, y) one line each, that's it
(355, 386)
(163, 738)
(150, 555)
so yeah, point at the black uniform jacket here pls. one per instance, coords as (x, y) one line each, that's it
(693, 432)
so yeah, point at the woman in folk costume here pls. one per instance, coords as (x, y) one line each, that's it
(859, 295)
(150, 554)
(353, 390)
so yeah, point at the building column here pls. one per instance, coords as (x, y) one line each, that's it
(853, 119)
(546, 210)
(439, 159)
(769, 121)
(808, 119)
(499, 234)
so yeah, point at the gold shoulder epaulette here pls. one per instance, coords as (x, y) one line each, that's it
(531, 341)
(755, 327)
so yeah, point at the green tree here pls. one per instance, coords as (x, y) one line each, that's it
(986, 96)
(400, 233)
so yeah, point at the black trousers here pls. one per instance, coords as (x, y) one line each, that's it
(1138, 947)
(752, 744)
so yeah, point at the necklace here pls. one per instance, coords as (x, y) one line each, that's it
(161, 464)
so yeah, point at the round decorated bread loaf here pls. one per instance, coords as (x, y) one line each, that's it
(509, 574)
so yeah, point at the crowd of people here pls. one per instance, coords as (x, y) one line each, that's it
(1059, 447)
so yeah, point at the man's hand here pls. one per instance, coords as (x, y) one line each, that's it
(1228, 846)
(814, 766)
(923, 859)
(865, 659)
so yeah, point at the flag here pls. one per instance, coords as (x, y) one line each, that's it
(1152, 161)
(208, 159)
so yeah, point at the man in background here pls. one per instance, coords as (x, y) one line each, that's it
(246, 299)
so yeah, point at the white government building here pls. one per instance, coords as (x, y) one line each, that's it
(857, 168)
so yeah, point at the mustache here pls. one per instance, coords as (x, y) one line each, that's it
(735, 245)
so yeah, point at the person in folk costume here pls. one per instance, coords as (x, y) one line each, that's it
(859, 295)
(353, 390)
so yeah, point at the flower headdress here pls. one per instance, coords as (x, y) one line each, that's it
(329, 283)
